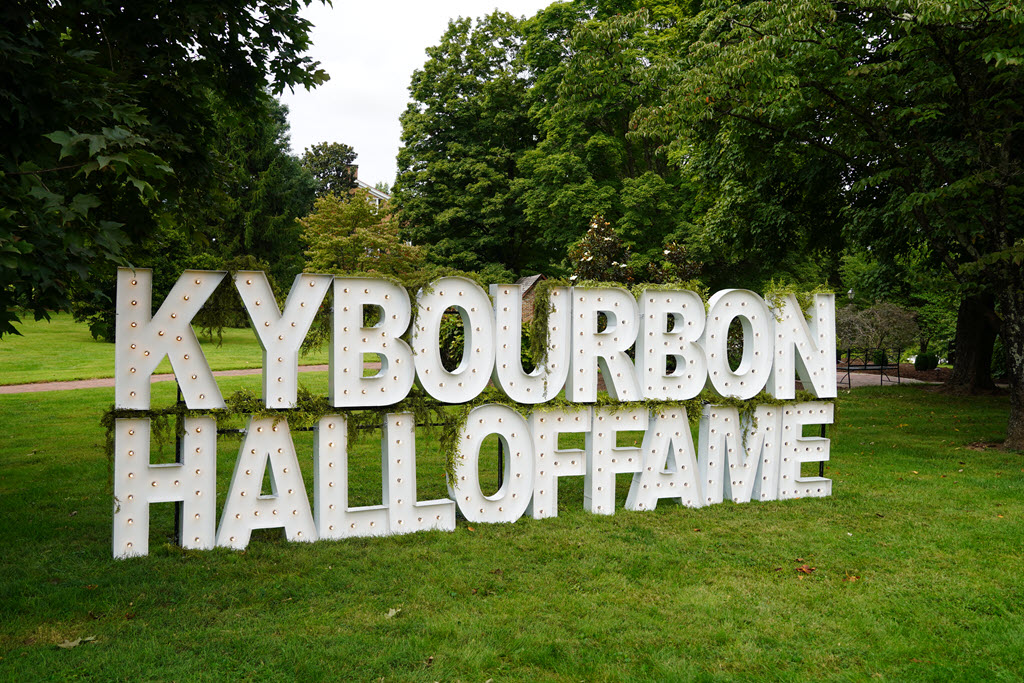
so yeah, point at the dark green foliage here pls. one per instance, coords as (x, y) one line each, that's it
(451, 339)
(462, 135)
(332, 166)
(256, 194)
(908, 116)
(588, 161)
(269, 190)
(926, 361)
(110, 130)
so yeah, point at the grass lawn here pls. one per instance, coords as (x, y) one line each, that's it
(64, 350)
(918, 571)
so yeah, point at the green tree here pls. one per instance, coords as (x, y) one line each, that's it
(916, 106)
(592, 74)
(351, 234)
(247, 214)
(462, 135)
(332, 165)
(269, 189)
(109, 125)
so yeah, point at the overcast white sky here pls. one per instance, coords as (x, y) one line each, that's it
(370, 49)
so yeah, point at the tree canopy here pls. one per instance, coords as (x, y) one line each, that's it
(109, 119)
(909, 113)
(332, 165)
(770, 140)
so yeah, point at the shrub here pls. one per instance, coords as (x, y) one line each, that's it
(882, 326)
(926, 361)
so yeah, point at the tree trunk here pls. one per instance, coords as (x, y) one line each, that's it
(1012, 303)
(976, 329)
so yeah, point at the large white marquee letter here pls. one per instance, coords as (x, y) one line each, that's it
(138, 484)
(281, 334)
(607, 349)
(738, 459)
(351, 340)
(546, 380)
(144, 338)
(756, 321)
(605, 458)
(798, 449)
(809, 349)
(246, 508)
(552, 462)
(656, 344)
(334, 518)
(398, 463)
(474, 372)
(510, 501)
(669, 469)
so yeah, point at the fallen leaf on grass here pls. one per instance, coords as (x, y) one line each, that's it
(430, 660)
(393, 612)
(68, 644)
(805, 569)
(470, 528)
(91, 587)
(851, 577)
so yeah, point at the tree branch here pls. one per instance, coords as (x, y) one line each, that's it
(49, 170)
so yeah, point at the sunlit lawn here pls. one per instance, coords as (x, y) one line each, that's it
(916, 570)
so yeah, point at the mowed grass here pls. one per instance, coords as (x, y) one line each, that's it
(62, 349)
(917, 558)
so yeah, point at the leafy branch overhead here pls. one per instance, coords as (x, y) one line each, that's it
(110, 126)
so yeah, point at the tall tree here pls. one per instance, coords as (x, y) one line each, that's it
(270, 189)
(245, 215)
(332, 165)
(108, 124)
(352, 234)
(588, 162)
(918, 107)
(462, 135)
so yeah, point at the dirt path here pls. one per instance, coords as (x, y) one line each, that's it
(858, 379)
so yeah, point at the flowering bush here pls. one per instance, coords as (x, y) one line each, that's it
(600, 255)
